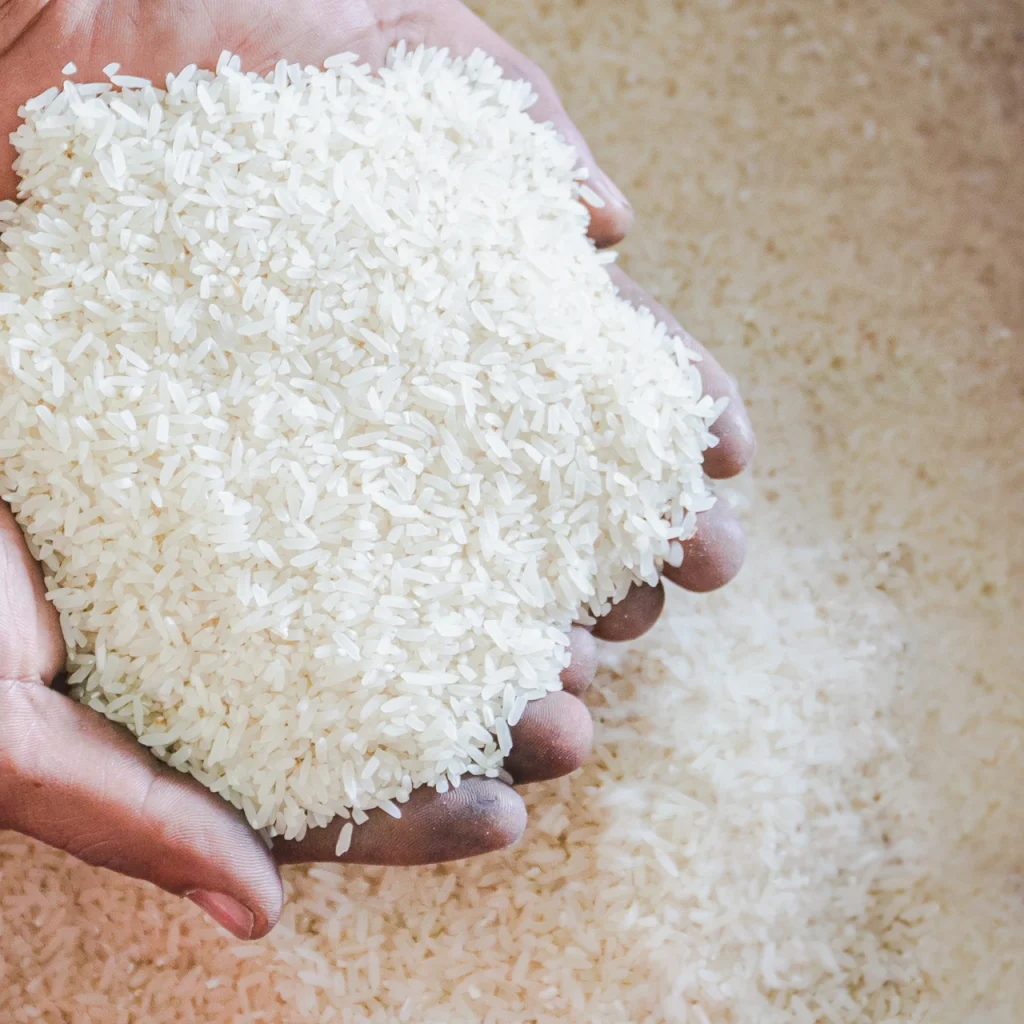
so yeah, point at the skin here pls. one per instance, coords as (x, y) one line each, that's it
(73, 780)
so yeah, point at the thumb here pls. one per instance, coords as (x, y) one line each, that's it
(74, 781)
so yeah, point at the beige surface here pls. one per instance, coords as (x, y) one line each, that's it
(832, 194)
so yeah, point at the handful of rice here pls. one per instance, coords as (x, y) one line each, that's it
(326, 421)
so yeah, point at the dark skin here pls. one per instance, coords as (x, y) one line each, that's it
(71, 779)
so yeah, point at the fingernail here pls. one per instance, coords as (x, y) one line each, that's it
(225, 910)
(612, 190)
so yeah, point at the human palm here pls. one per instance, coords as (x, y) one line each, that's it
(73, 780)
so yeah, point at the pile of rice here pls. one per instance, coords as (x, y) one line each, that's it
(804, 804)
(326, 421)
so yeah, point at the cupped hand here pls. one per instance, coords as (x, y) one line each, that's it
(73, 780)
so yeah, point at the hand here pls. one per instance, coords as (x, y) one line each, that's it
(73, 780)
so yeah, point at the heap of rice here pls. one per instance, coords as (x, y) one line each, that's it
(325, 420)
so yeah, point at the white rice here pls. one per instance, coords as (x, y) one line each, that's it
(344, 839)
(325, 420)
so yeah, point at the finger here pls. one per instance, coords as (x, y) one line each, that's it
(736, 442)
(609, 223)
(583, 667)
(552, 739)
(714, 555)
(31, 645)
(74, 781)
(480, 816)
(633, 616)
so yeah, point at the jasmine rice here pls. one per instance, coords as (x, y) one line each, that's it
(326, 421)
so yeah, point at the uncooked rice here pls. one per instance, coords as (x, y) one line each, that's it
(325, 420)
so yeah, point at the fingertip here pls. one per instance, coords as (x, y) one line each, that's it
(583, 667)
(222, 865)
(266, 921)
(737, 443)
(611, 223)
(635, 615)
(479, 816)
(497, 818)
(553, 738)
(229, 913)
(265, 901)
(249, 914)
(714, 556)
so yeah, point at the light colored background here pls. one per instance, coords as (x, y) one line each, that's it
(830, 822)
